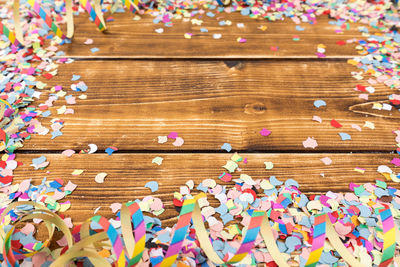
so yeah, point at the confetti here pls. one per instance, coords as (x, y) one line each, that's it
(227, 147)
(157, 160)
(268, 165)
(345, 136)
(77, 172)
(319, 103)
(100, 177)
(326, 160)
(152, 185)
(68, 153)
(265, 132)
(310, 143)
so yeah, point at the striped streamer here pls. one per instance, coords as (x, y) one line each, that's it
(389, 237)
(9, 34)
(129, 252)
(131, 6)
(46, 18)
(318, 240)
(95, 14)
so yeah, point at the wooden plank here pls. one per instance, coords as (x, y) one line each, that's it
(126, 38)
(130, 103)
(128, 173)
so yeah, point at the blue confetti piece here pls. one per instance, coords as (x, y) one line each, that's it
(39, 160)
(345, 136)
(222, 23)
(46, 113)
(109, 151)
(210, 14)
(164, 238)
(152, 185)
(245, 11)
(291, 243)
(94, 49)
(202, 188)
(299, 28)
(227, 147)
(75, 77)
(291, 182)
(56, 134)
(319, 103)
(227, 217)
(274, 181)
(203, 30)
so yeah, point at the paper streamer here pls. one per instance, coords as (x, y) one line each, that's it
(131, 6)
(46, 17)
(9, 34)
(128, 248)
(224, 3)
(318, 240)
(95, 13)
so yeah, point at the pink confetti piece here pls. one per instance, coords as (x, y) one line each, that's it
(327, 160)
(355, 126)
(396, 161)
(317, 118)
(265, 132)
(310, 143)
(28, 228)
(115, 207)
(68, 153)
(88, 42)
(173, 135)
(178, 141)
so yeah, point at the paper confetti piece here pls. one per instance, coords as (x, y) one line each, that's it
(317, 118)
(217, 36)
(268, 165)
(227, 147)
(88, 42)
(162, 139)
(110, 150)
(188, 35)
(310, 143)
(327, 160)
(241, 40)
(68, 153)
(157, 160)
(100, 177)
(265, 132)
(336, 124)
(396, 161)
(94, 50)
(178, 141)
(75, 77)
(152, 185)
(77, 172)
(360, 170)
(159, 30)
(345, 136)
(319, 103)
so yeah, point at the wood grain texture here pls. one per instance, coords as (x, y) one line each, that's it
(128, 173)
(130, 103)
(126, 38)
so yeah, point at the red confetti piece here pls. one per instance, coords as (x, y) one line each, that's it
(336, 124)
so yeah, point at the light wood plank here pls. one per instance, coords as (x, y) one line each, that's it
(126, 38)
(130, 103)
(128, 173)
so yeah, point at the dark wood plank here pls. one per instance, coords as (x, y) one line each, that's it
(128, 173)
(126, 38)
(130, 103)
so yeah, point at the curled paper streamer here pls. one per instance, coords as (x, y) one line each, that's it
(46, 17)
(9, 34)
(129, 247)
(95, 13)
(223, 3)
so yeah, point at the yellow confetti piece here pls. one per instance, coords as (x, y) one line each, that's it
(188, 35)
(77, 172)
(268, 165)
(263, 28)
(62, 109)
(360, 170)
(369, 124)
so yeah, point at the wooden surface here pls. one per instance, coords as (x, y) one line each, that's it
(138, 39)
(131, 102)
(143, 84)
(128, 173)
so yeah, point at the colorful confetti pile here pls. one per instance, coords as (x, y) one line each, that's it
(296, 226)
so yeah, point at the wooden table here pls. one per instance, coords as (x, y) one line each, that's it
(143, 84)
